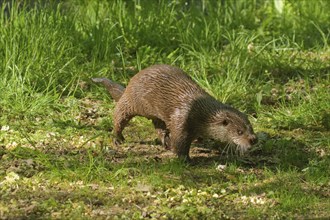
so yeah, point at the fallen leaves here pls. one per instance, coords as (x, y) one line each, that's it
(10, 179)
(256, 200)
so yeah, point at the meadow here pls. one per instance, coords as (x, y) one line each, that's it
(269, 59)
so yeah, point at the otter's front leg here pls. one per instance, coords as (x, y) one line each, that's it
(180, 143)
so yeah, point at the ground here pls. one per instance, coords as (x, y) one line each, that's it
(269, 59)
(72, 170)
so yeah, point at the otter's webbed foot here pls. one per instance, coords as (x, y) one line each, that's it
(119, 139)
(166, 141)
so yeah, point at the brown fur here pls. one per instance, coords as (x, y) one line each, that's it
(179, 108)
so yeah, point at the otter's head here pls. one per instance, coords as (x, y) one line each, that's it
(232, 126)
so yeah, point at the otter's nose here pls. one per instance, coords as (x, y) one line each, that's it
(253, 140)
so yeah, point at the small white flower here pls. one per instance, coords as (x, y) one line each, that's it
(5, 128)
(221, 167)
(215, 195)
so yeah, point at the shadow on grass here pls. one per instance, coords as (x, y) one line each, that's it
(275, 153)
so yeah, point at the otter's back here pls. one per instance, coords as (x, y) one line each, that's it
(160, 89)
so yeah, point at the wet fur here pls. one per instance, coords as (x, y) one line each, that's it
(179, 108)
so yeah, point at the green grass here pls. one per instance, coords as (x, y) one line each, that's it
(57, 158)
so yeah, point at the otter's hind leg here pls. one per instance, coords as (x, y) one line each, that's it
(163, 132)
(122, 115)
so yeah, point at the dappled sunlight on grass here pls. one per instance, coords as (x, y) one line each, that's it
(58, 159)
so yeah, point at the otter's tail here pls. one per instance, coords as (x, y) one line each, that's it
(115, 90)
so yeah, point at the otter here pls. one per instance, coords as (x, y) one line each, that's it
(180, 110)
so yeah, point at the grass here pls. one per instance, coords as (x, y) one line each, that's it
(57, 159)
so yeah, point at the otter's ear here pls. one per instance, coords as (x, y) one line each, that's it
(225, 122)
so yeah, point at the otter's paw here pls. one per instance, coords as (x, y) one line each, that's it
(118, 140)
(185, 158)
(166, 142)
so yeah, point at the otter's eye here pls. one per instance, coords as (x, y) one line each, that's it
(225, 122)
(239, 132)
